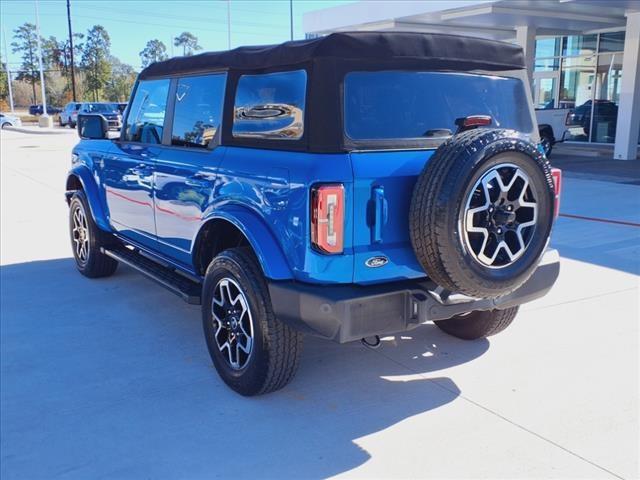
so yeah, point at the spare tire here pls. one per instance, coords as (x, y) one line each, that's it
(482, 211)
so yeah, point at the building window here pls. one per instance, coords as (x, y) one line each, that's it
(548, 47)
(611, 42)
(581, 73)
(574, 45)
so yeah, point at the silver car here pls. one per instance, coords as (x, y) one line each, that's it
(69, 114)
(7, 120)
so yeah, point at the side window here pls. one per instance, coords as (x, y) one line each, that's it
(198, 110)
(270, 106)
(146, 115)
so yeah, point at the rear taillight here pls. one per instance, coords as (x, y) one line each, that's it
(556, 174)
(472, 121)
(327, 218)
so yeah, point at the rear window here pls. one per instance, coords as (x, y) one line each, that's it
(270, 106)
(402, 105)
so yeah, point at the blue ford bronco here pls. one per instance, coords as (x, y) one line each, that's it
(349, 186)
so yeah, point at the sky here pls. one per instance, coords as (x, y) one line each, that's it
(131, 23)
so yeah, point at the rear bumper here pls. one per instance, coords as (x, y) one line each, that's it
(344, 313)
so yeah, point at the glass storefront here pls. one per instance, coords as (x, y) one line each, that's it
(581, 73)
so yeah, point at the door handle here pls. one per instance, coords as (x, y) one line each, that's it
(380, 213)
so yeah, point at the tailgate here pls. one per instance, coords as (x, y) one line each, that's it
(383, 184)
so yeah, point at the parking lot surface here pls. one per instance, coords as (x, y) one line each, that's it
(111, 378)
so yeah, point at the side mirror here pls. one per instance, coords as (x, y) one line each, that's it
(93, 126)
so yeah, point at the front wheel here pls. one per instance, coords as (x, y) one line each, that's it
(474, 325)
(87, 239)
(252, 350)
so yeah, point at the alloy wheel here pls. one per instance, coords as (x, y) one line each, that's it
(233, 323)
(500, 216)
(80, 234)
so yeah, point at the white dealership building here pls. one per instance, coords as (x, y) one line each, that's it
(583, 56)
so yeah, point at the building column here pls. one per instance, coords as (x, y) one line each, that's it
(526, 38)
(628, 126)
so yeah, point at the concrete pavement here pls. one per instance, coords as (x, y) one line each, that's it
(111, 378)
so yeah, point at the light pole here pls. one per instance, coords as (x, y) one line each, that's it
(291, 17)
(228, 24)
(73, 73)
(45, 120)
(6, 54)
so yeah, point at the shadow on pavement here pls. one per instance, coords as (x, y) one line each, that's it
(111, 378)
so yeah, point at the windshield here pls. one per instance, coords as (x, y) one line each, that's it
(410, 105)
(100, 108)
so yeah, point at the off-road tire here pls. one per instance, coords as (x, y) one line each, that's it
(276, 347)
(476, 325)
(438, 202)
(96, 264)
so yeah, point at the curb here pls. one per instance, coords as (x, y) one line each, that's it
(38, 131)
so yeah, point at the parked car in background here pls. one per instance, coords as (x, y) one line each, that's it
(547, 138)
(108, 110)
(69, 114)
(38, 109)
(8, 120)
(348, 187)
(551, 125)
(605, 112)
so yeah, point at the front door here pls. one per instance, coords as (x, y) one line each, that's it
(186, 170)
(128, 171)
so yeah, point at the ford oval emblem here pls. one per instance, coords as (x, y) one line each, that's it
(375, 262)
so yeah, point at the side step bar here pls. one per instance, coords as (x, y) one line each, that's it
(189, 290)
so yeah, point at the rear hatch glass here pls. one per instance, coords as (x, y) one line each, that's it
(411, 105)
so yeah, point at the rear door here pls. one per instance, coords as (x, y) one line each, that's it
(186, 170)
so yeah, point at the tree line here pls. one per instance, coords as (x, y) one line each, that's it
(99, 75)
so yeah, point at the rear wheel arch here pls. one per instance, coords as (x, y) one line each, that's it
(236, 229)
(215, 236)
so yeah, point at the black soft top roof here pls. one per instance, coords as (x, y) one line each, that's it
(444, 51)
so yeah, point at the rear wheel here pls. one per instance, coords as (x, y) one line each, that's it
(87, 239)
(252, 350)
(474, 325)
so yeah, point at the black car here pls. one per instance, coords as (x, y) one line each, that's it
(38, 110)
(604, 111)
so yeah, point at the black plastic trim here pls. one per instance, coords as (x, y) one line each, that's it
(344, 313)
